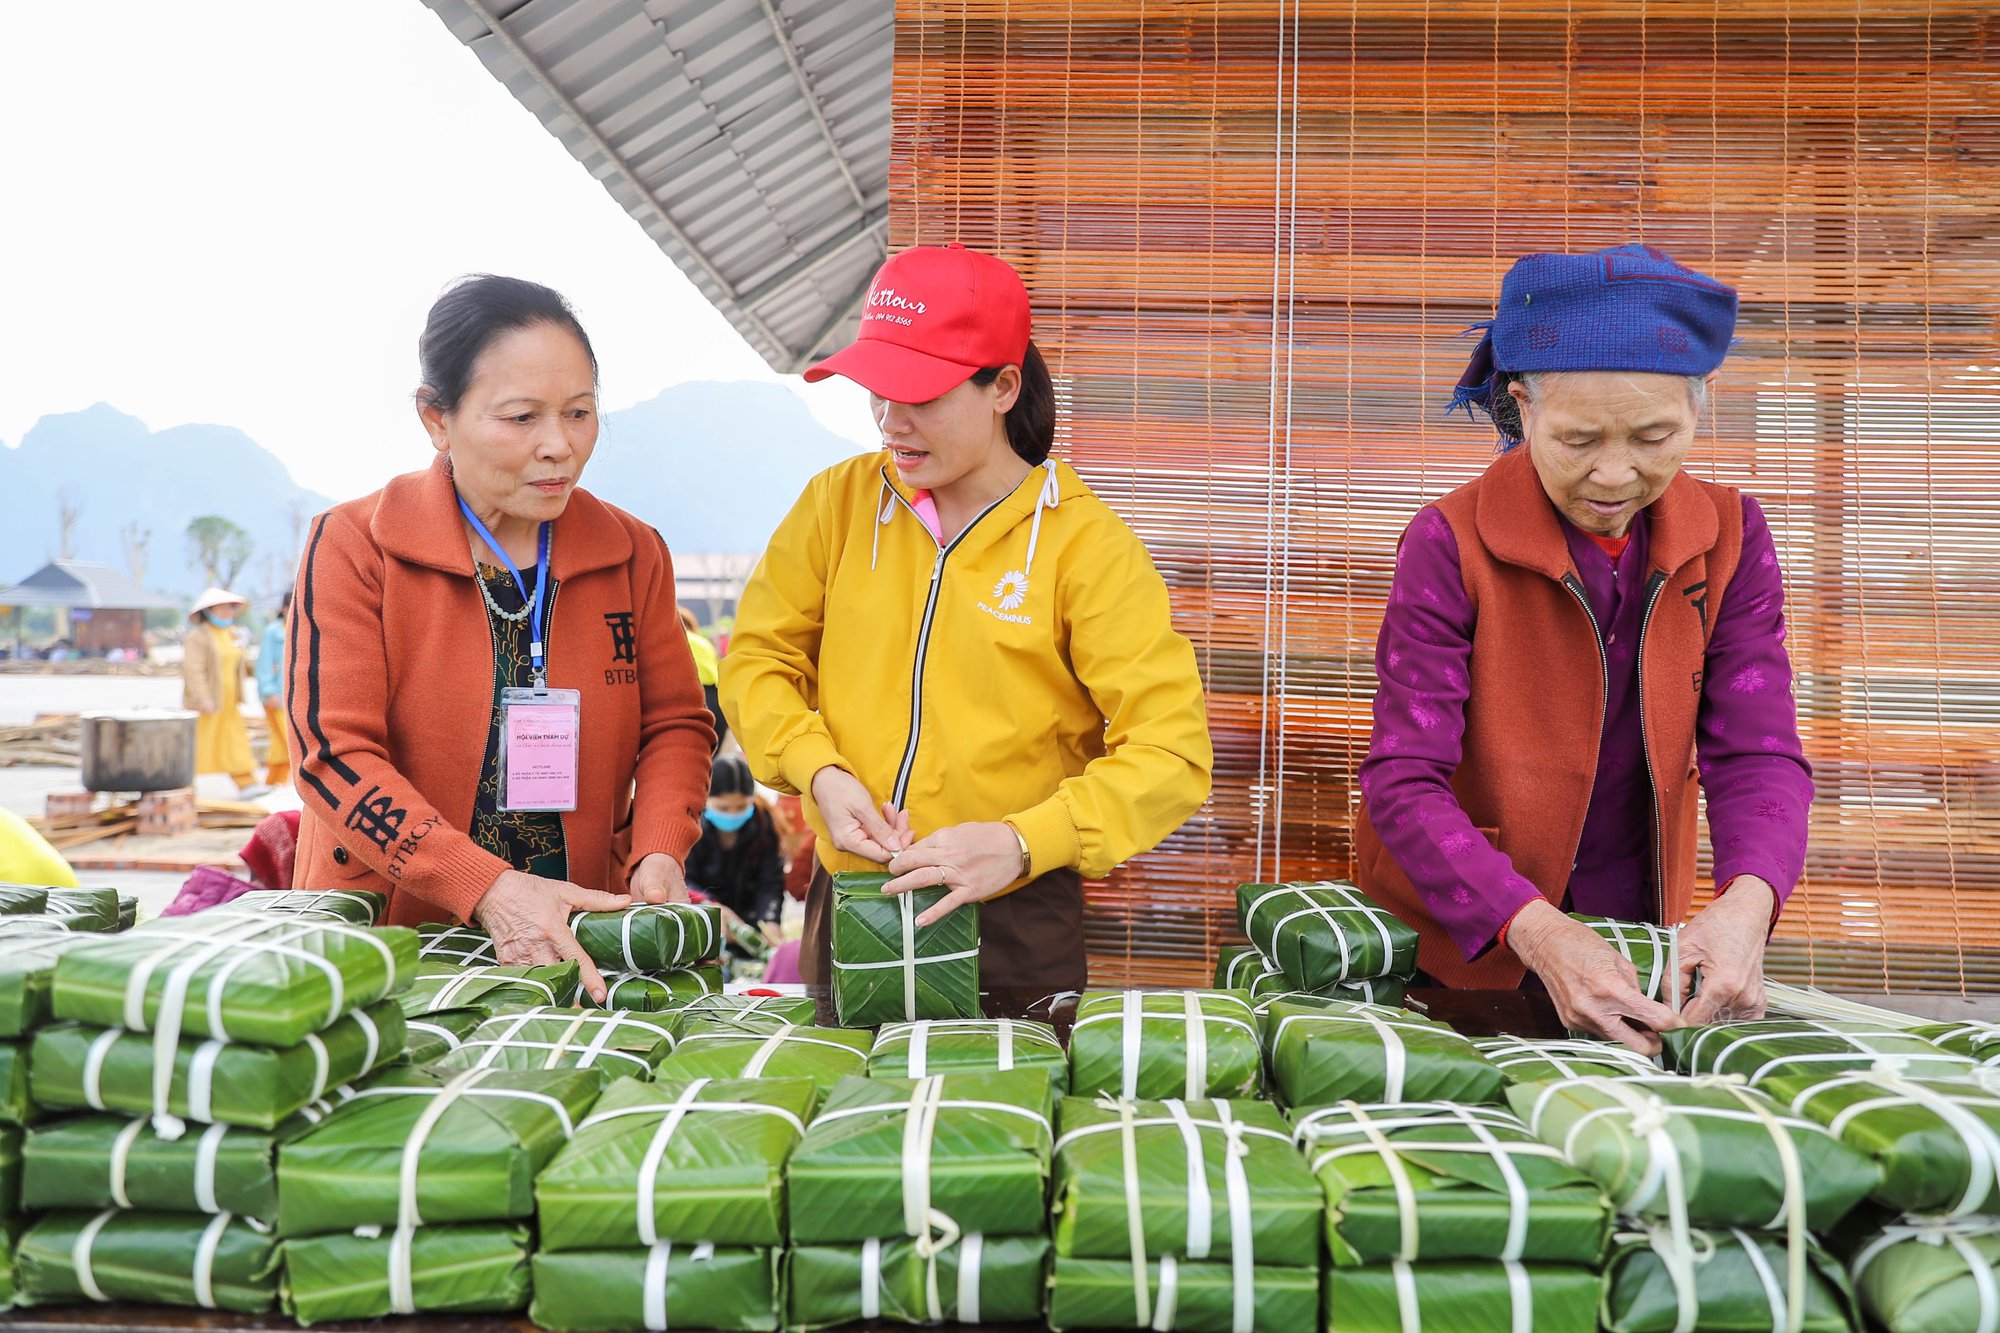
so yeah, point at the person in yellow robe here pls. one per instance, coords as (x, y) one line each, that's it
(212, 677)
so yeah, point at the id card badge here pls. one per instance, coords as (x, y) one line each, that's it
(541, 744)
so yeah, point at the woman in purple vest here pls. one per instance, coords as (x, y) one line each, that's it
(1564, 636)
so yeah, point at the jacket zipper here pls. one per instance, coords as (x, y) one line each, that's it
(904, 769)
(1658, 581)
(1575, 585)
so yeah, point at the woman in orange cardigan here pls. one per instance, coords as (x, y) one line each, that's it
(494, 710)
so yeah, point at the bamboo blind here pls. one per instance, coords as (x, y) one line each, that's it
(1255, 233)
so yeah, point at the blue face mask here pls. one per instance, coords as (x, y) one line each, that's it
(224, 621)
(729, 823)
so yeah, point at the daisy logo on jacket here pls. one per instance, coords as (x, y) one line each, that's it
(1011, 590)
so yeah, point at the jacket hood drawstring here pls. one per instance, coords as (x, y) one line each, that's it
(1049, 496)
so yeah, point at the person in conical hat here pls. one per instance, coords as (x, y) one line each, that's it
(1578, 644)
(212, 676)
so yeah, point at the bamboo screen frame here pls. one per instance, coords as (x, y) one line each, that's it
(1255, 233)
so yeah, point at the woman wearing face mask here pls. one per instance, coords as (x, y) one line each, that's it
(212, 676)
(738, 861)
(493, 708)
(959, 657)
(1572, 636)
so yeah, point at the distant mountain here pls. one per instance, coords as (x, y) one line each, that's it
(116, 471)
(712, 466)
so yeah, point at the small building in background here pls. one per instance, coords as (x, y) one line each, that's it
(98, 608)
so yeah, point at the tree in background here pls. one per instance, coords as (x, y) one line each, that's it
(68, 511)
(220, 547)
(136, 542)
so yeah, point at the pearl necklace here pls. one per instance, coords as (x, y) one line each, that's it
(486, 595)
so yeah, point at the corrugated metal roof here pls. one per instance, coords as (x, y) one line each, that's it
(83, 583)
(750, 138)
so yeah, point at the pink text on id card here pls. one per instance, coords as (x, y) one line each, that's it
(541, 744)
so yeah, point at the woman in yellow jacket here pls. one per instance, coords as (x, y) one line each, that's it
(958, 656)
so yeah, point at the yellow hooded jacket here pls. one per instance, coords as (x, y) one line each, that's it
(1027, 671)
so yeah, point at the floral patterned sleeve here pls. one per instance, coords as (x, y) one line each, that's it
(1422, 658)
(1753, 770)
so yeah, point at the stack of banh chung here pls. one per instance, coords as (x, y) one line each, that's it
(1926, 1113)
(187, 1052)
(1326, 939)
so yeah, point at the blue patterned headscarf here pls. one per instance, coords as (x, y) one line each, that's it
(1628, 307)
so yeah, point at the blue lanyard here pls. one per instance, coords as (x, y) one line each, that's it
(533, 600)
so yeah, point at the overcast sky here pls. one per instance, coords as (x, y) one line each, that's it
(238, 211)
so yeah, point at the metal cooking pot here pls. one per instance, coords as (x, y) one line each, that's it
(138, 749)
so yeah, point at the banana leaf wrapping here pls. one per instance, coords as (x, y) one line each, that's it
(854, 1176)
(1937, 1143)
(1654, 952)
(1157, 1044)
(1241, 967)
(461, 946)
(128, 911)
(1931, 1276)
(682, 1161)
(1462, 1296)
(1213, 1180)
(1977, 1041)
(9, 1228)
(1168, 1294)
(668, 1286)
(1801, 1051)
(1422, 1182)
(104, 1161)
(968, 1045)
(23, 899)
(1524, 1060)
(94, 910)
(657, 992)
(1366, 1053)
(979, 1280)
(751, 1013)
(887, 969)
(17, 1107)
(1324, 933)
(27, 971)
(619, 1045)
(210, 1082)
(471, 1269)
(1729, 1281)
(651, 937)
(214, 1263)
(431, 1146)
(436, 1035)
(356, 907)
(34, 928)
(823, 1055)
(1723, 1154)
(236, 976)
(440, 986)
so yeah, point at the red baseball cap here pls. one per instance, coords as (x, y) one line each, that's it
(934, 315)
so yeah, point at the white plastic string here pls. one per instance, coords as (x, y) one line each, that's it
(79, 1254)
(204, 1261)
(1407, 1310)
(655, 1311)
(871, 1278)
(1131, 1033)
(1195, 1047)
(1169, 1298)
(1200, 1212)
(205, 1156)
(971, 1255)
(1135, 1213)
(121, 1152)
(649, 1165)
(1520, 1295)
(93, 1067)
